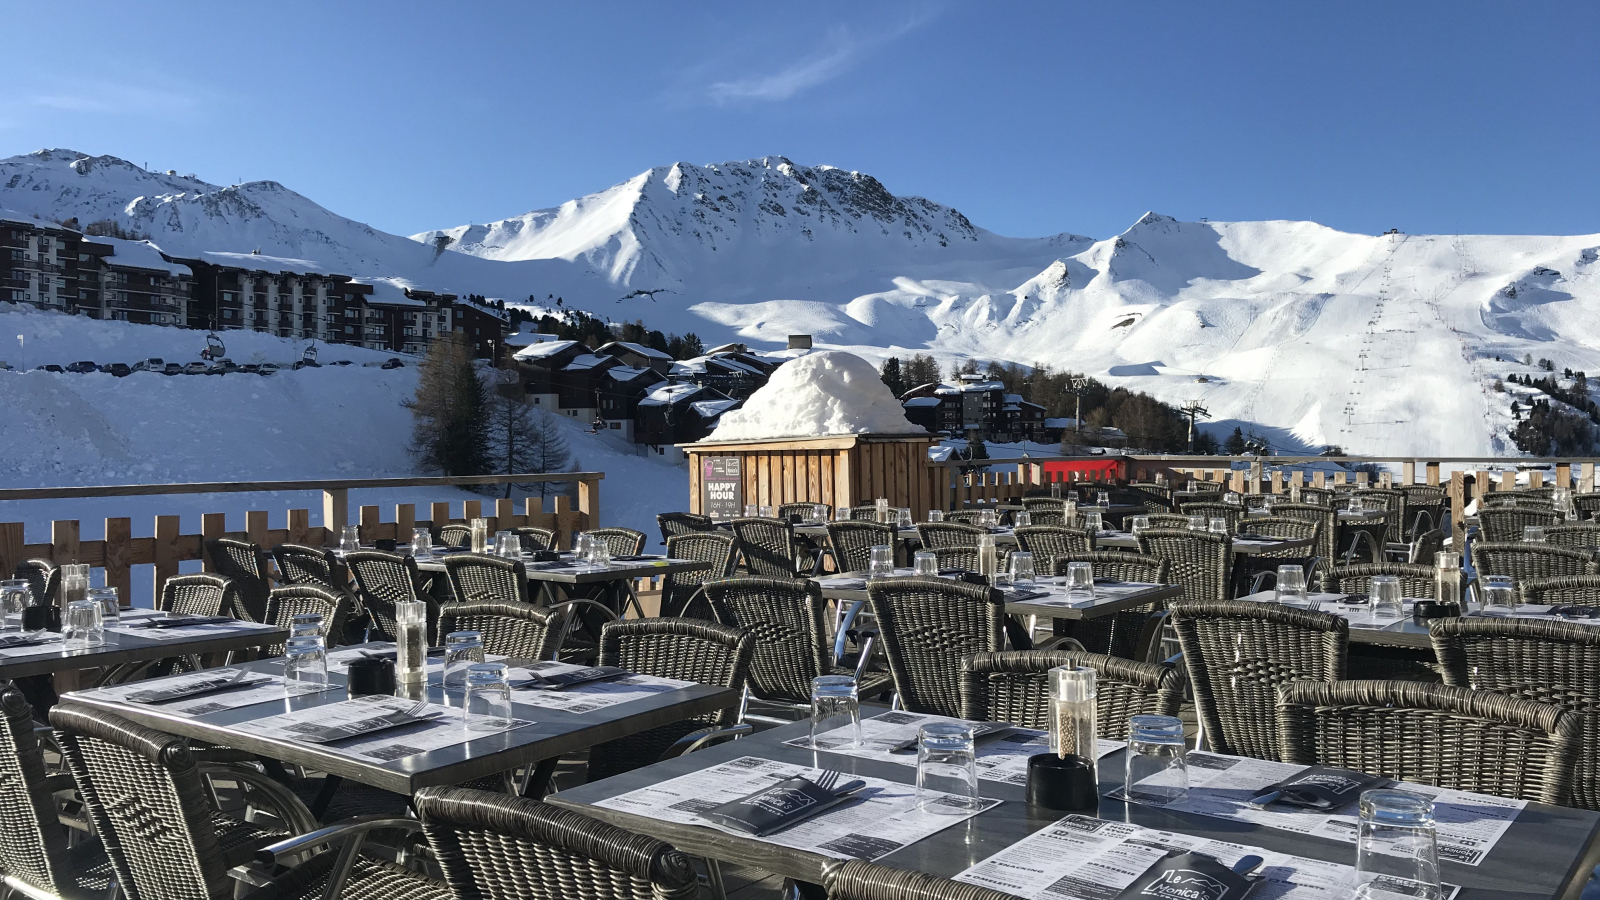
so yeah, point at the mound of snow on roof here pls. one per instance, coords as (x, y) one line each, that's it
(830, 392)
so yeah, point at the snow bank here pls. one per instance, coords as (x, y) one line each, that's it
(829, 392)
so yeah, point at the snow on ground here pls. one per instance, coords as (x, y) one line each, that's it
(819, 393)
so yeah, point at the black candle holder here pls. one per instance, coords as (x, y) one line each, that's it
(1063, 783)
(370, 676)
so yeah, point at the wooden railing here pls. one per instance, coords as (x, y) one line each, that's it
(166, 547)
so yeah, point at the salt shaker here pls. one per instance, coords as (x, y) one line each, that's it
(1447, 577)
(988, 557)
(1072, 711)
(411, 641)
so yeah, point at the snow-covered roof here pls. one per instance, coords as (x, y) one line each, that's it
(710, 409)
(525, 337)
(735, 363)
(543, 349)
(649, 352)
(391, 292)
(831, 392)
(1060, 423)
(1013, 398)
(626, 373)
(1011, 407)
(27, 218)
(500, 314)
(141, 255)
(256, 262)
(696, 366)
(586, 361)
(983, 386)
(922, 401)
(669, 393)
(939, 453)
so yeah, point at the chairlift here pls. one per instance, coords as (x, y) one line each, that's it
(214, 347)
(310, 354)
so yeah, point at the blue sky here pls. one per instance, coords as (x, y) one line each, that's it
(1031, 118)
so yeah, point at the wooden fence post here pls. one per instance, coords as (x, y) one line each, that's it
(1586, 478)
(1535, 479)
(1458, 505)
(1408, 473)
(116, 556)
(164, 554)
(370, 517)
(589, 502)
(1433, 473)
(299, 526)
(439, 515)
(1564, 475)
(212, 525)
(335, 511)
(405, 520)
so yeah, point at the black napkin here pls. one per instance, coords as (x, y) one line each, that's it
(1187, 876)
(327, 734)
(1320, 788)
(183, 621)
(775, 808)
(29, 639)
(559, 680)
(1021, 596)
(199, 688)
(637, 557)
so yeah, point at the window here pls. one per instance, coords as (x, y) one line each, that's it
(616, 425)
(227, 314)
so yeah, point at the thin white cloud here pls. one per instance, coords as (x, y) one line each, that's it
(98, 99)
(837, 54)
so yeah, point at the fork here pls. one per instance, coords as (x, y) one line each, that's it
(827, 779)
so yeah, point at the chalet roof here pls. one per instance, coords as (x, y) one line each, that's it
(587, 361)
(626, 374)
(642, 350)
(672, 394)
(26, 218)
(922, 401)
(391, 292)
(710, 409)
(543, 350)
(141, 255)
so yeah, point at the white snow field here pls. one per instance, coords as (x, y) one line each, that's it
(821, 393)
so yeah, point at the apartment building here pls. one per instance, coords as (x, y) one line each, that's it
(132, 281)
(38, 261)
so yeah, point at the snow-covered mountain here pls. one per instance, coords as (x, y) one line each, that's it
(1381, 344)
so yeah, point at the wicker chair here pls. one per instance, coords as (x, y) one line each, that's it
(383, 580)
(479, 578)
(43, 577)
(1200, 560)
(35, 859)
(1426, 505)
(767, 547)
(1168, 520)
(858, 880)
(670, 648)
(1327, 519)
(198, 594)
(1285, 528)
(852, 543)
(458, 537)
(1434, 734)
(1035, 505)
(798, 512)
(514, 630)
(298, 564)
(1154, 497)
(1014, 687)
(934, 535)
(534, 539)
(246, 565)
(1523, 560)
(1583, 590)
(865, 513)
(926, 625)
(1394, 503)
(1239, 653)
(1415, 581)
(1049, 543)
(284, 603)
(1546, 662)
(963, 517)
(1425, 547)
(491, 845)
(673, 524)
(1586, 504)
(1503, 525)
(1378, 661)
(1121, 634)
(1214, 511)
(1315, 496)
(962, 559)
(620, 541)
(787, 619)
(680, 591)
(1583, 536)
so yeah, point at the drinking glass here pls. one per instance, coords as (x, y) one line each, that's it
(421, 543)
(988, 556)
(305, 665)
(988, 518)
(904, 520)
(583, 550)
(1219, 526)
(1021, 569)
(1500, 594)
(1533, 534)
(349, 539)
(1197, 523)
(1268, 501)
(1021, 519)
(507, 545)
(880, 562)
(1397, 846)
(487, 706)
(480, 535)
(835, 704)
(1055, 489)
(844, 514)
(1232, 498)
(935, 515)
(925, 562)
(1080, 578)
(462, 649)
(1290, 589)
(110, 606)
(767, 512)
(307, 625)
(15, 596)
(947, 768)
(1157, 768)
(599, 552)
(1139, 524)
(74, 583)
(1386, 601)
(83, 627)
(819, 513)
(1356, 505)
(751, 510)
(1094, 521)
(1102, 498)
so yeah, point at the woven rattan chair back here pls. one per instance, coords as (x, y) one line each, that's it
(1326, 517)
(534, 539)
(853, 542)
(934, 535)
(1238, 655)
(799, 512)
(1546, 662)
(684, 649)
(1503, 525)
(963, 516)
(1415, 581)
(1587, 504)
(480, 578)
(284, 603)
(786, 618)
(492, 845)
(1199, 560)
(515, 630)
(1014, 686)
(245, 565)
(1579, 536)
(858, 880)
(1119, 633)
(43, 578)
(33, 844)
(1048, 543)
(1231, 514)
(143, 793)
(767, 547)
(864, 513)
(1154, 497)
(964, 559)
(1434, 734)
(383, 580)
(197, 594)
(1033, 505)
(1394, 503)
(1168, 520)
(456, 536)
(1285, 528)
(680, 591)
(620, 541)
(1582, 590)
(1122, 565)
(1425, 547)
(673, 524)
(925, 626)
(298, 564)
(1525, 560)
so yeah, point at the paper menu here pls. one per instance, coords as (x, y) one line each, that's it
(268, 688)
(589, 697)
(446, 728)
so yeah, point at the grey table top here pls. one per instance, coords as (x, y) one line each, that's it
(574, 573)
(1122, 540)
(1345, 515)
(1542, 855)
(1056, 604)
(126, 648)
(1364, 629)
(553, 733)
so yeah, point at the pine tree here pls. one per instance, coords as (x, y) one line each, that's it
(890, 373)
(449, 429)
(1235, 444)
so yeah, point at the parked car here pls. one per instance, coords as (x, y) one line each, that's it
(153, 364)
(4, 366)
(83, 366)
(49, 368)
(118, 370)
(308, 364)
(196, 368)
(222, 366)
(267, 368)
(172, 369)
(252, 368)
(392, 362)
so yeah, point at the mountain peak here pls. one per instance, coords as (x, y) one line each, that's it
(1153, 218)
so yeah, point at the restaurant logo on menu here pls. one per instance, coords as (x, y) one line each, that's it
(781, 801)
(1185, 884)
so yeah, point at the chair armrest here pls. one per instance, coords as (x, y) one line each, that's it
(61, 781)
(273, 793)
(272, 854)
(845, 626)
(699, 740)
